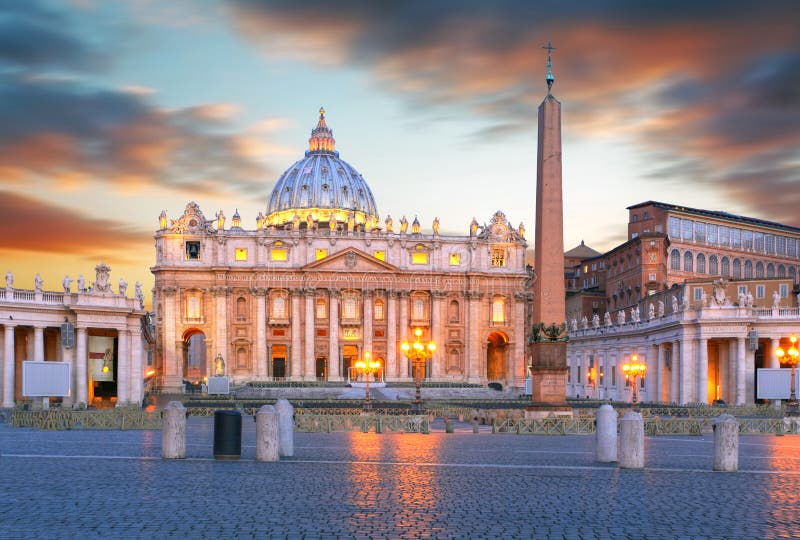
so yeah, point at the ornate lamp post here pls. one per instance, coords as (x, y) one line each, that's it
(367, 367)
(418, 353)
(790, 357)
(634, 370)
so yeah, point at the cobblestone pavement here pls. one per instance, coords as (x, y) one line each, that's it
(113, 484)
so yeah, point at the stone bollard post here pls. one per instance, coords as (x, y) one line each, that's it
(605, 447)
(475, 428)
(726, 443)
(285, 427)
(173, 431)
(267, 434)
(448, 426)
(631, 443)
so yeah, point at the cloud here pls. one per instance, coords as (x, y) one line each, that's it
(29, 224)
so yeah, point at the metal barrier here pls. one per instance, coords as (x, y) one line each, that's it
(378, 423)
(64, 419)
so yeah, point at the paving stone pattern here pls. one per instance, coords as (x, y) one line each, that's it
(113, 484)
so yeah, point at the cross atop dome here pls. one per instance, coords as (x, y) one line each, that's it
(550, 79)
(321, 136)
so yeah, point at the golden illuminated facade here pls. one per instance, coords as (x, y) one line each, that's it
(321, 281)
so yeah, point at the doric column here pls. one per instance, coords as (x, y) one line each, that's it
(687, 357)
(702, 370)
(123, 367)
(741, 364)
(261, 332)
(310, 364)
(172, 380)
(775, 364)
(68, 357)
(38, 343)
(297, 336)
(519, 361)
(391, 335)
(333, 336)
(81, 359)
(473, 338)
(8, 366)
(404, 335)
(661, 373)
(366, 296)
(674, 394)
(136, 378)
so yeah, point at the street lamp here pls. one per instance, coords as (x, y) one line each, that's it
(367, 367)
(634, 370)
(418, 353)
(790, 357)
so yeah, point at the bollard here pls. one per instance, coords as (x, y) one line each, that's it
(448, 426)
(605, 446)
(475, 425)
(267, 445)
(726, 443)
(173, 431)
(631, 443)
(285, 413)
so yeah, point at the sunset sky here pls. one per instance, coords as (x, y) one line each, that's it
(113, 111)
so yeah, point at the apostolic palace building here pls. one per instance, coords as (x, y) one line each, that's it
(321, 281)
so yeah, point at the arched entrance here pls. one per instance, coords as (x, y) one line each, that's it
(194, 357)
(496, 353)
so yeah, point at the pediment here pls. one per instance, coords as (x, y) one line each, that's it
(351, 260)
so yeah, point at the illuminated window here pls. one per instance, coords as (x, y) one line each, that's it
(192, 251)
(498, 310)
(455, 259)
(279, 307)
(322, 308)
(380, 255)
(349, 307)
(241, 254)
(419, 258)
(279, 254)
(321, 254)
(498, 257)
(378, 310)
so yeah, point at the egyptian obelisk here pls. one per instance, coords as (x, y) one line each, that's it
(549, 350)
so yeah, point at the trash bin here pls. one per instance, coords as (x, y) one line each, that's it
(227, 434)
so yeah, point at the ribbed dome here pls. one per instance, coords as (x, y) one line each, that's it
(322, 185)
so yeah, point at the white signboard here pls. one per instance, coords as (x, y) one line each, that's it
(775, 383)
(218, 385)
(44, 379)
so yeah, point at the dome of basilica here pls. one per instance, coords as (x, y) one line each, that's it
(322, 187)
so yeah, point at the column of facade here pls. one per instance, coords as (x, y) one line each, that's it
(123, 367)
(741, 363)
(519, 362)
(81, 359)
(310, 365)
(702, 370)
(391, 335)
(661, 373)
(297, 337)
(333, 337)
(68, 357)
(171, 380)
(749, 376)
(404, 373)
(8, 366)
(774, 363)
(137, 376)
(261, 332)
(221, 337)
(38, 343)
(366, 296)
(685, 395)
(473, 337)
(675, 356)
(436, 334)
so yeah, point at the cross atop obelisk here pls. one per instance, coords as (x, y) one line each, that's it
(549, 368)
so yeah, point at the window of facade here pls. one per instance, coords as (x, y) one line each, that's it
(783, 289)
(688, 259)
(241, 309)
(747, 239)
(646, 216)
(675, 260)
(419, 257)
(725, 267)
(701, 263)
(278, 307)
(349, 307)
(193, 307)
(322, 308)
(240, 254)
(498, 257)
(498, 310)
(713, 268)
(758, 242)
(453, 312)
(742, 290)
(379, 254)
(760, 291)
(320, 254)
(378, 311)
(770, 270)
(769, 244)
(418, 309)
(698, 293)
(699, 231)
(674, 225)
(193, 251)
(711, 233)
(651, 277)
(455, 259)
(687, 228)
(792, 273)
(791, 247)
(724, 235)
(759, 269)
(736, 238)
(278, 254)
(748, 270)
(780, 245)
(781, 271)
(737, 269)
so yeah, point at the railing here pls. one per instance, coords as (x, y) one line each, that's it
(64, 419)
(379, 423)
(24, 296)
(53, 298)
